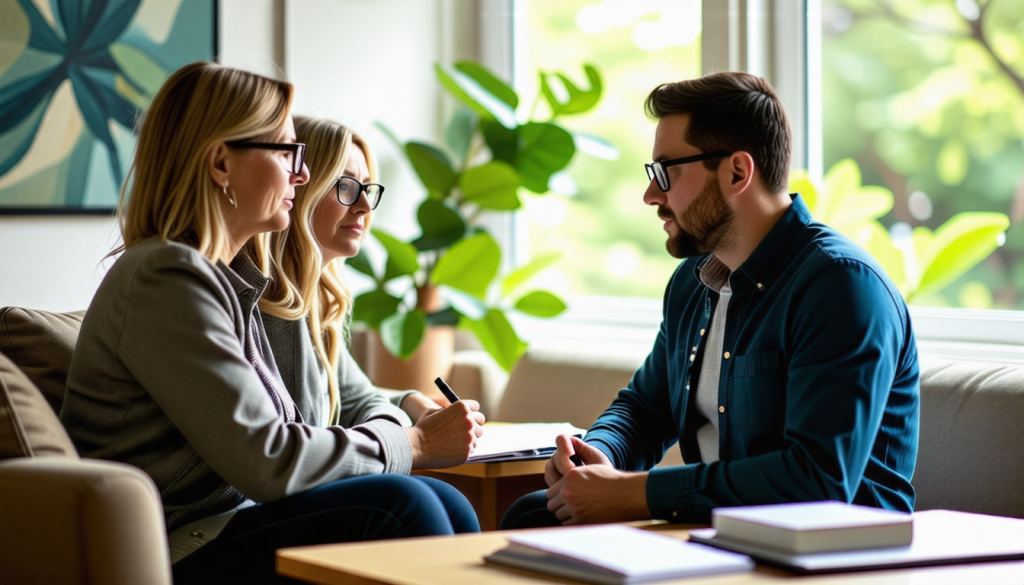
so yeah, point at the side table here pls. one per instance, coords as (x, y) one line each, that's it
(492, 487)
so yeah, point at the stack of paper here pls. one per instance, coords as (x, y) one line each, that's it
(614, 555)
(519, 441)
(812, 527)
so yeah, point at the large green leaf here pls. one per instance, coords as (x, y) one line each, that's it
(373, 307)
(960, 243)
(576, 100)
(526, 272)
(475, 96)
(492, 185)
(873, 237)
(432, 166)
(864, 205)
(595, 146)
(401, 256)
(842, 182)
(459, 133)
(402, 333)
(466, 304)
(489, 82)
(546, 148)
(361, 263)
(498, 338)
(469, 265)
(800, 182)
(540, 303)
(503, 143)
(441, 225)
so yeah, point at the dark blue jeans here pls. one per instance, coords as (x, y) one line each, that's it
(529, 511)
(371, 507)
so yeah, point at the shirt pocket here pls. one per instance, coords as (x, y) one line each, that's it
(758, 392)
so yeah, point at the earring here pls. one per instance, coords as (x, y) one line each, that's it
(230, 200)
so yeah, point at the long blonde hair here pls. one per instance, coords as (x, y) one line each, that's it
(299, 287)
(169, 191)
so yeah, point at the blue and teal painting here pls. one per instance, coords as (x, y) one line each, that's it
(74, 74)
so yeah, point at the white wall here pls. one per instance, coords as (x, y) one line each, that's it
(355, 61)
(362, 61)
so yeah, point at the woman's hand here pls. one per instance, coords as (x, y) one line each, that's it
(444, 438)
(418, 405)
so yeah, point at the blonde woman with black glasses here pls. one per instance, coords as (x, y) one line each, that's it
(307, 306)
(173, 372)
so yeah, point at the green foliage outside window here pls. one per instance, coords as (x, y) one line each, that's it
(924, 261)
(927, 96)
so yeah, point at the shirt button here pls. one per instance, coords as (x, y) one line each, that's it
(692, 357)
(726, 355)
(760, 286)
(197, 533)
(675, 514)
(721, 409)
(702, 332)
(695, 348)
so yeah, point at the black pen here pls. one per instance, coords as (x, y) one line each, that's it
(446, 390)
(576, 460)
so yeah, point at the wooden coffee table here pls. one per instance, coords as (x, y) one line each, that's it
(459, 560)
(493, 487)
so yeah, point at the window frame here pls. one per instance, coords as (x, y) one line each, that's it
(765, 38)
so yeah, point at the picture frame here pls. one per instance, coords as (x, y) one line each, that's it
(74, 75)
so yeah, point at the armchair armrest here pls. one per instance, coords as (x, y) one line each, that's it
(80, 521)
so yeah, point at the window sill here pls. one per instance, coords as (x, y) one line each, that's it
(630, 325)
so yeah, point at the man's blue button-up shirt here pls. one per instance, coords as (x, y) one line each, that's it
(818, 392)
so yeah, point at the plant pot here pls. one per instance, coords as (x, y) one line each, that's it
(433, 358)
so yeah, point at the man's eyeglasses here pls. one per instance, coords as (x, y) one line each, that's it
(656, 171)
(349, 189)
(296, 151)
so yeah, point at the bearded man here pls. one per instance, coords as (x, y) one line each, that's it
(785, 366)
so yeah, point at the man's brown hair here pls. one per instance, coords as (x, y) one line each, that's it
(731, 111)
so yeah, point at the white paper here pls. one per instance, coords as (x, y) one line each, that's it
(508, 439)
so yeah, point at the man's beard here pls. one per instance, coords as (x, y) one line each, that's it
(709, 220)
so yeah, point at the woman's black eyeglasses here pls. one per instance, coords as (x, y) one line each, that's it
(296, 150)
(656, 170)
(349, 189)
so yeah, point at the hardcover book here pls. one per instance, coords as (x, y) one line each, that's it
(813, 527)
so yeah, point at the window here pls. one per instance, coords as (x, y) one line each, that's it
(938, 119)
(928, 99)
(600, 216)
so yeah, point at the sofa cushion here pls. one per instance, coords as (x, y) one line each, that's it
(971, 451)
(40, 343)
(28, 427)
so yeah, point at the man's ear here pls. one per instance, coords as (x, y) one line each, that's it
(217, 164)
(740, 168)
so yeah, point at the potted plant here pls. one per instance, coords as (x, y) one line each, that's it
(448, 275)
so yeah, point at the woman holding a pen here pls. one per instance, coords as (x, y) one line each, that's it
(307, 306)
(173, 372)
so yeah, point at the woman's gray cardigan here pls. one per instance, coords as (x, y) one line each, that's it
(162, 379)
(306, 379)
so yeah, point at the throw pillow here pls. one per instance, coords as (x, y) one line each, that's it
(28, 427)
(40, 343)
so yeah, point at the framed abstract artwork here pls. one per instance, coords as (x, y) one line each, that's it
(74, 75)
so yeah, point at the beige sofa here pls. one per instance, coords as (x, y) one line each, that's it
(971, 454)
(64, 519)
